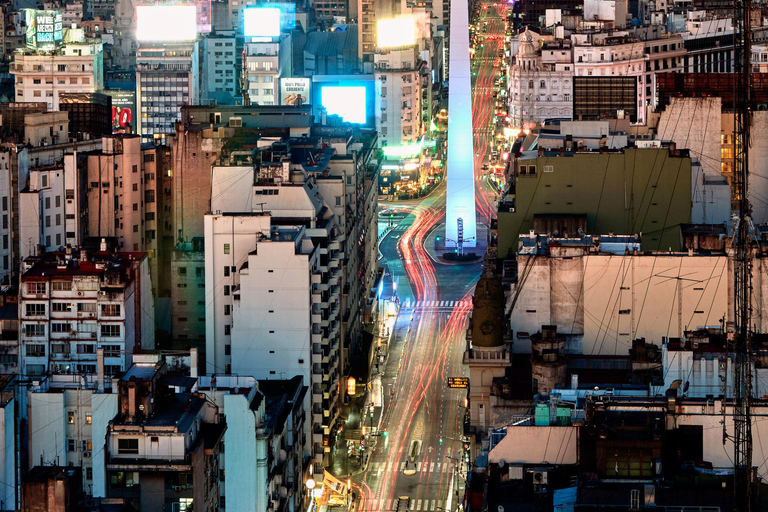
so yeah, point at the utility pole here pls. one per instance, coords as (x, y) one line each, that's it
(742, 263)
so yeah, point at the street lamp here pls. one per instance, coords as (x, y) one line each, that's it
(310, 483)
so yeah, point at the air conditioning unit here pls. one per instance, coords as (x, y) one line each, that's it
(93, 335)
(539, 477)
(235, 122)
(86, 454)
(79, 294)
(102, 294)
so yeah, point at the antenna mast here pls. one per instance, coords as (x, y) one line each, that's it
(742, 263)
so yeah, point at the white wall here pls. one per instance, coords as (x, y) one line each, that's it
(8, 455)
(242, 485)
(104, 410)
(47, 438)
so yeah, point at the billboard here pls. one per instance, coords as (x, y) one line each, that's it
(261, 22)
(396, 32)
(347, 102)
(166, 22)
(44, 29)
(294, 91)
(123, 111)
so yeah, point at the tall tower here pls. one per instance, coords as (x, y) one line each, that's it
(460, 220)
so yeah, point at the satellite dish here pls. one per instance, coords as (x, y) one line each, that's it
(502, 463)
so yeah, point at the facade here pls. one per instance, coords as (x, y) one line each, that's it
(261, 72)
(167, 77)
(222, 64)
(68, 417)
(163, 447)
(540, 81)
(76, 67)
(74, 302)
(398, 95)
(572, 191)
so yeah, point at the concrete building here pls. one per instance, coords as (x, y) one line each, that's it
(163, 447)
(708, 40)
(67, 418)
(550, 185)
(76, 67)
(126, 195)
(540, 81)
(265, 421)
(398, 95)
(51, 489)
(261, 72)
(73, 302)
(222, 63)
(167, 77)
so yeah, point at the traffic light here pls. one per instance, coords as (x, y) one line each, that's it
(441, 439)
(385, 433)
(437, 238)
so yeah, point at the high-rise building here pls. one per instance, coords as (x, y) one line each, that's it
(77, 66)
(222, 63)
(73, 301)
(260, 72)
(398, 95)
(167, 78)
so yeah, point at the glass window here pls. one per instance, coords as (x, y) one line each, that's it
(128, 446)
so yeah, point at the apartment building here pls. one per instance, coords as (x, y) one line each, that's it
(126, 194)
(222, 64)
(260, 72)
(75, 67)
(72, 303)
(67, 417)
(398, 95)
(163, 447)
(167, 77)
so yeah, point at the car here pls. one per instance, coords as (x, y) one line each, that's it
(485, 167)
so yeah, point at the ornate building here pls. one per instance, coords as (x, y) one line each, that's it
(540, 81)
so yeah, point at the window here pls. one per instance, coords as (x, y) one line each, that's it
(61, 307)
(227, 350)
(71, 445)
(226, 289)
(110, 310)
(110, 330)
(59, 348)
(89, 471)
(227, 330)
(62, 286)
(111, 350)
(36, 288)
(227, 309)
(86, 348)
(226, 271)
(71, 417)
(128, 446)
(35, 330)
(226, 251)
(112, 369)
(149, 196)
(60, 327)
(35, 350)
(86, 307)
(35, 309)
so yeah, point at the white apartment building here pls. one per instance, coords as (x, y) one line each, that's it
(167, 77)
(68, 417)
(222, 64)
(73, 303)
(540, 81)
(261, 70)
(75, 67)
(709, 41)
(398, 95)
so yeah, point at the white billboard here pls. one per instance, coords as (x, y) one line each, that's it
(166, 22)
(347, 102)
(396, 32)
(294, 91)
(261, 22)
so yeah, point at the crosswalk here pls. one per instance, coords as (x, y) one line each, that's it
(379, 468)
(416, 505)
(432, 304)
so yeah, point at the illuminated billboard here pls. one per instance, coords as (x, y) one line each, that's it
(44, 29)
(166, 22)
(347, 102)
(123, 110)
(396, 32)
(294, 91)
(261, 22)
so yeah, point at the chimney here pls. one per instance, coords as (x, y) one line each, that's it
(193, 363)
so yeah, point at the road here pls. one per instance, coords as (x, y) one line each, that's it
(422, 455)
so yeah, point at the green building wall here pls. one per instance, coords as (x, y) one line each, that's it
(644, 191)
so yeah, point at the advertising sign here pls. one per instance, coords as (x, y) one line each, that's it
(166, 22)
(294, 91)
(396, 32)
(44, 29)
(123, 110)
(261, 22)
